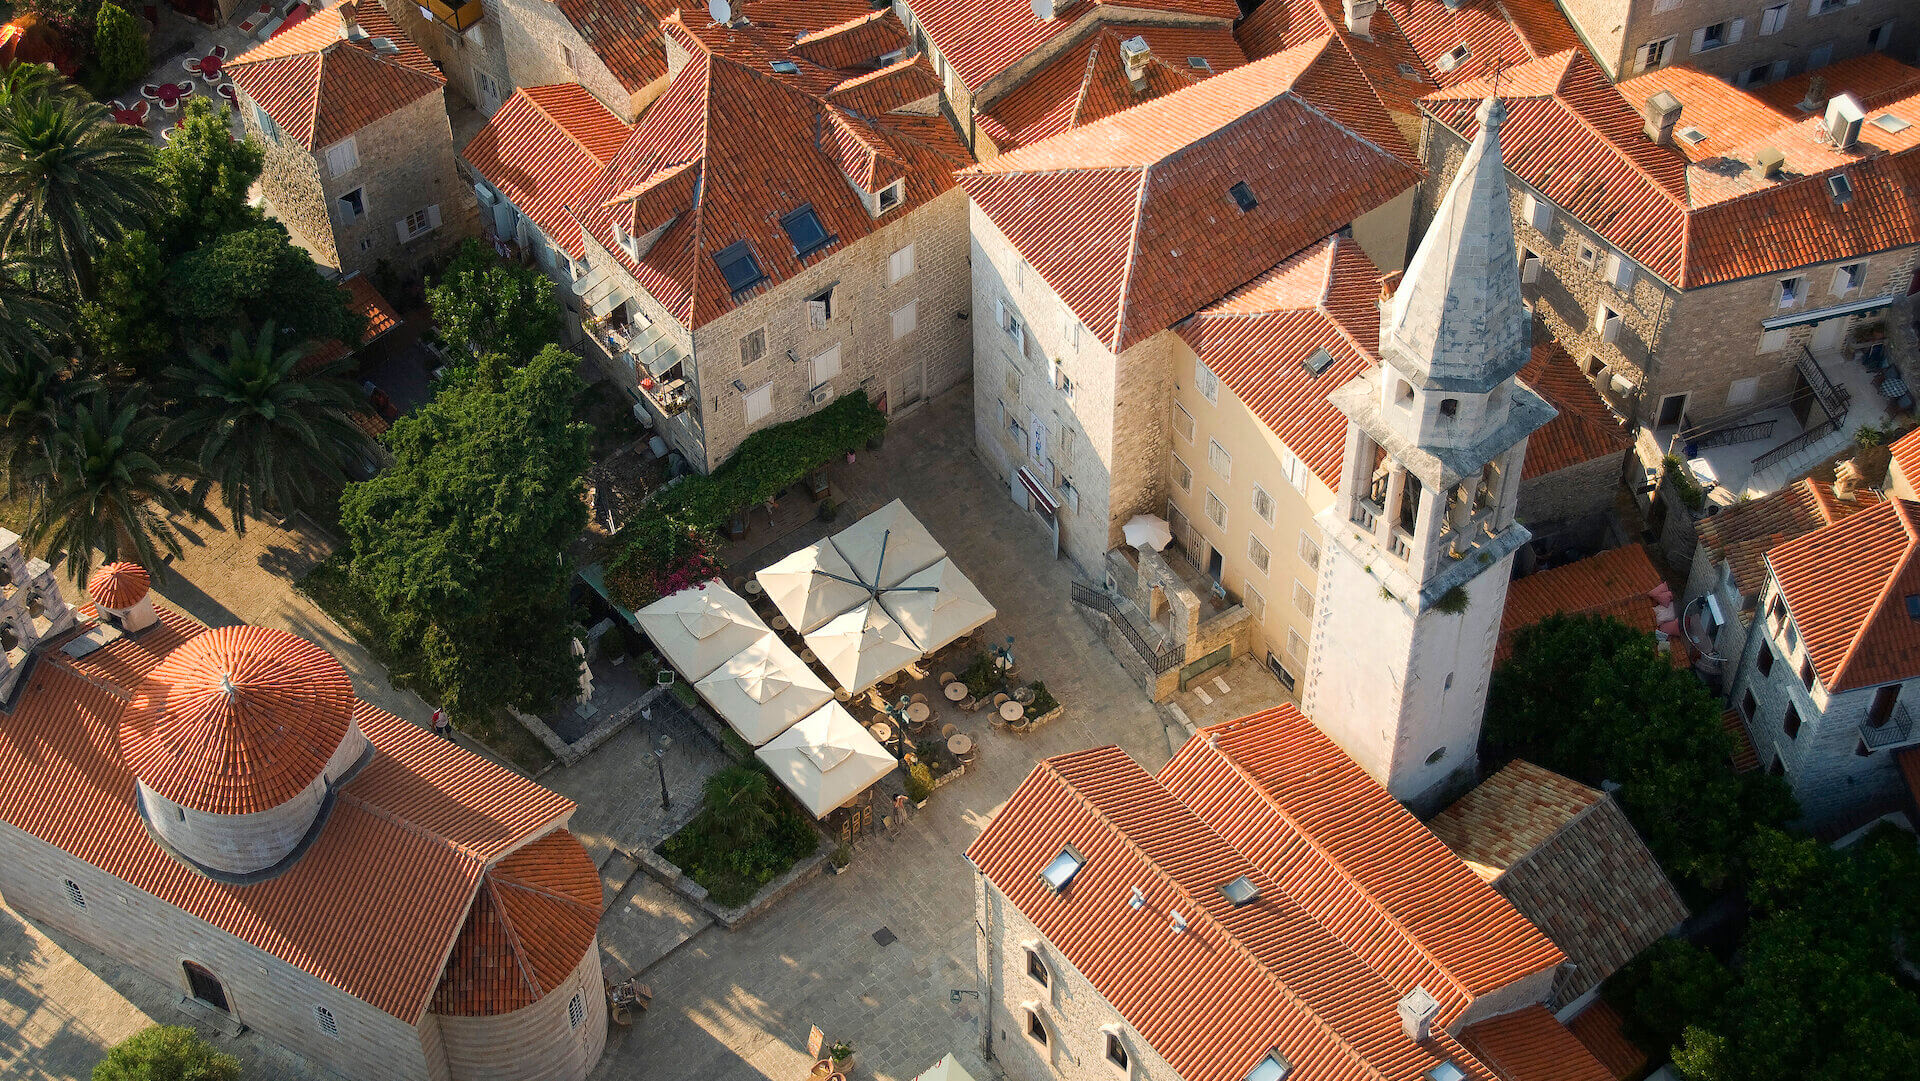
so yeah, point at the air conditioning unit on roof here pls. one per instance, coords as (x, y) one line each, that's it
(1844, 117)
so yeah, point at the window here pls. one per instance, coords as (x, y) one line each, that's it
(566, 55)
(1772, 19)
(1403, 394)
(1821, 7)
(825, 366)
(1010, 322)
(1790, 289)
(784, 67)
(1619, 272)
(1653, 54)
(1256, 604)
(1790, 723)
(267, 127)
(1772, 341)
(1661, 7)
(1243, 196)
(352, 206)
(739, 267)
(1216, 510)
(759, 403)
(820, 308)
(343, 157)
(1036, 968)
(1449, 410)
(1748, 705)
(1849, 278)
(1263, 504)
(1318, 361)
(74, 896)
(1753, 76)
(324, 1018)
(1183, 422)
(1764, 661)
(1806, 673)
(905, 319)
(1241, 891)
(753, 346)
(1537, 211)
(576, 1011)
(1879, 36)
(1840, 188)
(1913, 607)
(804, 229)
(900, 264)
(1182, 474)
(1258, 553)
(1742, 391)
(1218, 459)
(1820, 55)
(1589, 255)
(1296, 645)
(1294, 469)
(1274, 1067)
(1717, 35)
(1309, 550)
(889, 197)
(1036, 1028)
(1060, 870)
(1116, 1051)
(1529, 266)
(1200, 63)
(419, 223)
(1453, 59)
(1607, 322)
(1070, 328)
(1207, 383)
(1302, 597)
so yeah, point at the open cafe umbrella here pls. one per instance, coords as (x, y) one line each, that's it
(826, 759)
(888, 545)
(862, 646)
(1147, 531)
(763, 690)
(937, 616)
(812, 586)
(698, 629)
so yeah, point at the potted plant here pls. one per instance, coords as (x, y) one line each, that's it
(919, 783)
(826, 510)
(842, 855)
(842, 1053)
(821, 1070)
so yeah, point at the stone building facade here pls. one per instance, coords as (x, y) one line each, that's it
(541, 45)
(1747, 42)
(465, 40)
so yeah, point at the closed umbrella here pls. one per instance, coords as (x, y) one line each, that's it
(763, 689)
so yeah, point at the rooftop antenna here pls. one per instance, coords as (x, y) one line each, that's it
(720, 11)
(1179, 923)
(1138, 900)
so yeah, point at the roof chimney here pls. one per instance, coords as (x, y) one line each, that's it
(1770, 160)
(1137, 54)
(1360, 16)
(1417, 1010)
(1816, 94)
(1663, 112)
(1844, 117)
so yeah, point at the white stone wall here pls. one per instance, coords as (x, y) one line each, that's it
(263, 991)
(534, 1043)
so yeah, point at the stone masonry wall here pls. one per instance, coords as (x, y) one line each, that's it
(263, 991)
(290, 184)
(1616, 29)
(533, 1043)
(536, 39)
(406, 165)
(1569, 495)
(463, 56)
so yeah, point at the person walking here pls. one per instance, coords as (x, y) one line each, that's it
(441, 726)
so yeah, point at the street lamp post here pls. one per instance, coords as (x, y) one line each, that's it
(660, 759)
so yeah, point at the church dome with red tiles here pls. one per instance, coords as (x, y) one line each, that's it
(118, 585)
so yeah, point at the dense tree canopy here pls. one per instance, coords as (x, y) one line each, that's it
(461, 541)
(204, 174)
(1591, 698)
(119, 48)
(170, 1053)
(484, 306)
(258, 274)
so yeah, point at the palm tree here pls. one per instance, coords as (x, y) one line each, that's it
(27, 315)
(262, 430)
(36, 389)
(108, 484)
(70, 178)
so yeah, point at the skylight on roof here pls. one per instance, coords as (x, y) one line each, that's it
(1060, 870)
(1840, 187)
(739, 267)
(1408, 71)
(1693, 135)
(804, 229)
(1890, 122)
(1243, 196)
(1199, 63)
(786, 67)
(1241, 891)
(1446, 1071)
(1318, 362)
(1271, 1068)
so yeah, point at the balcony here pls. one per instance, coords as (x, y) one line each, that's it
(1365, 514)
(455, 17)
(668, 397)
(1895, 731)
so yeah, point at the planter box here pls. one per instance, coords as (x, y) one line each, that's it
(770, 894)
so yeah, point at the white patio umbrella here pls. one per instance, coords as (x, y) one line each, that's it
(826, 759)
(888, 545)
(763, 689)
(863, 645)
(1147, 531)
(698, 629)
(812, 585)
(937, 605)
(945, 1070)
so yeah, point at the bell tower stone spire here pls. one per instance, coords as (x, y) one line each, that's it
(1421, 534)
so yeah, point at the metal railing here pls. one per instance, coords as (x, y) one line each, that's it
(1157, 659)
(1832, 399)
(1797, 444)
(1895, 730)
(1737, 433)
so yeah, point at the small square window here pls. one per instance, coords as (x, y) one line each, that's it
(805, 230)
(890, 196)
(1199, 63)
(324, 1018)
(1764, 661)
(1806, 673)
(1318, 362)
(1913, 607)
(352, 206)
(1274, 1067)
(74, 897)
(785, 67)
(739, 267)
(1790, 723)
(1036, 968)
(753, 346)
(576, 1011)
(1748, 705)
(1243, 196)
(1241, 891)
(1060, 870)
(1840, 188)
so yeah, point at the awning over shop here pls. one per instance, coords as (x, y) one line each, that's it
(1821, 315)
(1037, 491)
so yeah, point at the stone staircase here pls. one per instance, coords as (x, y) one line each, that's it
(1795, 465)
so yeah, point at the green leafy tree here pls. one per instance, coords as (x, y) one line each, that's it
(261, 430)
(170, 1053)
(108, 484)
(74, 18)
(1592, 699)
(461, 541)
(36, 390)
(484, 306)
(119, 48)
(28, 316)
(123, 329)
(206, 174)
(71, 179)
(257, 274)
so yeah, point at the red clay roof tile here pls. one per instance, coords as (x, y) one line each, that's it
(624, 34)
(1600, 1029)
(1584, 428)
(1875, 79)
(118, 585)
(1846, 587)
(320, 87)
(1746, 757)
(542, 149)
(536, 914)
(1742, 534)
(1529, 1045)
(1613, 583)
(983, 38)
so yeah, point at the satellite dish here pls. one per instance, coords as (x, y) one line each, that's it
(720, 11)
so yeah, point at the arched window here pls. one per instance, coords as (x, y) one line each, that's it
(1403, 394)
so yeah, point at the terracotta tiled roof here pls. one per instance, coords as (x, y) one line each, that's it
(758, 144)
(624, 34)
(542, 149)
(1569, 860)
(1290, 972)
(1529, 1045)
(118, 585)
(1847, 586)
(1906, 454)
(238, 720)
(366, 302)
(1258, 338)
(983, 38)
(1613, 583)
(1088, 81)
(1155, 231)
(856, 43)
(1584, 429)
(320, 87)
(1746, 758)
(1875, 79)
(1697, 214)
(533, 919)
(1601, 1031)
(1742, 534)
(374, 904)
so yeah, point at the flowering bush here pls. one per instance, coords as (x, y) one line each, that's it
(665, 558)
